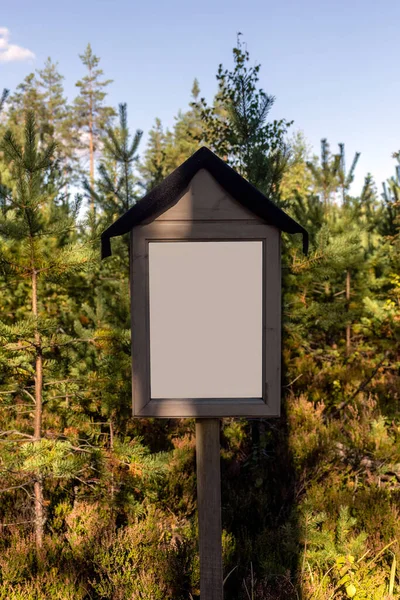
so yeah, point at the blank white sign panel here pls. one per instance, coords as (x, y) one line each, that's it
(205, 319)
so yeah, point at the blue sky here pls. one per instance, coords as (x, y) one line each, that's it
(333, 66)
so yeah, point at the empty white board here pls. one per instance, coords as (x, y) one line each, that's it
(206, 318)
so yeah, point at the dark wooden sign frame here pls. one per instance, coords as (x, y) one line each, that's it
(236, 231)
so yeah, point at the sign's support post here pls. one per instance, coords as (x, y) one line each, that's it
(209, 508)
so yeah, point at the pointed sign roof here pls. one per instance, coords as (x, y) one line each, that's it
(164, 195)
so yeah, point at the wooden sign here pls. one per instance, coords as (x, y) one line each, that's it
(206, 321)
(206, 294)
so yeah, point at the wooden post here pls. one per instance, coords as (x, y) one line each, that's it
(209, 508)
(348, 324)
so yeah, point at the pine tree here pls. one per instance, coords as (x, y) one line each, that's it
(3, 98)
(345, 181)
(368, 193)
(326, 173)
(187, 133)
(167, 150)
(391, 202)
(91, 113)
(27, 97)
(330, 176)
(50, 80)
(32, 227)
(117, 186)
(297, 179)
(237, 129)
(59, 116)
(346, 178)
(153, 167)
(116, 190)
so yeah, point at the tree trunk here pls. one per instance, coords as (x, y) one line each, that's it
(111, 453)
(37, 433)
(348, 325)
(91, 152)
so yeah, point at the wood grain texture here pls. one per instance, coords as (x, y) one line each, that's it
(272, 321)
(206, 200)
(209, 508)
(139, 326)
(204, 407)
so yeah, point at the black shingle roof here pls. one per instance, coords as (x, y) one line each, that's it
(160, 198)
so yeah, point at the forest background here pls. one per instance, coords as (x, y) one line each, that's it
(96, 504)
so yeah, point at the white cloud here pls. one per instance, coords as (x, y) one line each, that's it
(12, 52)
